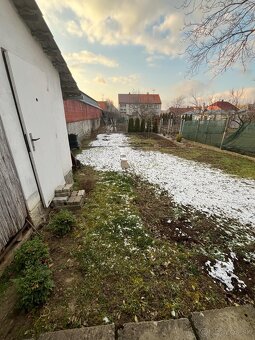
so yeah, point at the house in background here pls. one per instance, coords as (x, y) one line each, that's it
(83, 116)
(140, 105)
(34, 152)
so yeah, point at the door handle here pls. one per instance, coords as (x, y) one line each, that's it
(33, 140)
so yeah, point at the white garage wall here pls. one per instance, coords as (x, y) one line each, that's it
(16, 38)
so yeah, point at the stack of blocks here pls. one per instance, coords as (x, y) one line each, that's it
(66, 198)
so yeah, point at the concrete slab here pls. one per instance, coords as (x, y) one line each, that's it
(106, 332)
(157, 330)
(235, 323)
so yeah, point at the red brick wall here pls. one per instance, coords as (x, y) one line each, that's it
(76, 111)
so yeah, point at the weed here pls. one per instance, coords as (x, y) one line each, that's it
(34, 286)
(62, 223)
(32, 253)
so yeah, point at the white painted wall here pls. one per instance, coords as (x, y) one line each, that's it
(16, 38)
(83, 128)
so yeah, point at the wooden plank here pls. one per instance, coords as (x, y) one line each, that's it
(12, 204)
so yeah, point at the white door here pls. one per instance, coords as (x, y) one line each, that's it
(33, 99)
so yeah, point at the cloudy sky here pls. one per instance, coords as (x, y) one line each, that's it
(121, 46)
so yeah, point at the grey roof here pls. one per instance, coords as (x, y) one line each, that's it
(33, 18)
(84, 98)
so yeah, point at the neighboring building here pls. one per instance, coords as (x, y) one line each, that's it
(140, 105)
(179, 111)
(82, 116)
(222, 106)
(34, 153)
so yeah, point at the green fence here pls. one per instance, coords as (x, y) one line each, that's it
(205, 131)
(211, 132)
(242, 140)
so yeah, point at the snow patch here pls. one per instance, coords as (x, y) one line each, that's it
(188, 182)
(224, 272)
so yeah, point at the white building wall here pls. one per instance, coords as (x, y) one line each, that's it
(83, 128)
(16, 38)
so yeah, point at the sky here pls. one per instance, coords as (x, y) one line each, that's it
(136, 46)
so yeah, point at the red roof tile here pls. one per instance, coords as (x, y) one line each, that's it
(222, 105)
(139, 98)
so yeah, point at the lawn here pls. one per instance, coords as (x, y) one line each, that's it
(134, 255)
(231, 164)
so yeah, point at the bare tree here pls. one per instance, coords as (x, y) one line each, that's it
(223, 34)
(235, 97)
(178, 102)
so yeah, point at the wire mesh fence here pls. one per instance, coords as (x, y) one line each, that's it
(213, 133)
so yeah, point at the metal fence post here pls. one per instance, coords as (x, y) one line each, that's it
(225, 131)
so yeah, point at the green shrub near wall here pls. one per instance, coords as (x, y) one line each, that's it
(34, 281)
(137, 125)
(131, 125)
(142, 129)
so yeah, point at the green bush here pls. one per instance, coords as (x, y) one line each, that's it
(137, 125)
(179, 138)
(34, 286)
(32, 253)
(62, 223)
(142, 128)
(155, 126)
(131, 125)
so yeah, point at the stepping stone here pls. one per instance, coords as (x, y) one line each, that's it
(157, 330)
(231, 323)
(106, 332)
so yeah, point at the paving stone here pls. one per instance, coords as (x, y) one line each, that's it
(231, 323)
(158, 330)
(106, 332)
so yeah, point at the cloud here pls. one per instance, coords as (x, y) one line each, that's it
(73, 28)
(154, 25)
(87, 57)
(125, 80)
(100, 80)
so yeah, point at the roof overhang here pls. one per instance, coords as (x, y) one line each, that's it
(33, 18)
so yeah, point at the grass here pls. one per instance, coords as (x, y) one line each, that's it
(232, 164)
(134, 255)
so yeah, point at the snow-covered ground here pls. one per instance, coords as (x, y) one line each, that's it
(189, 183)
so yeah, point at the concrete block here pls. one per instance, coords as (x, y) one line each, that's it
(61, 194)
(81, 193)
(59, 188)
(59, 201)
(235, 323)
(68, 187)
(106, 332)
(74, 193)
(157, 330)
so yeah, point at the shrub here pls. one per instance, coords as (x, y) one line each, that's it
(179, 138)
(131, 125)
(155, 126)
(32, 253)
(34, 286)
(137, 125)
(62, 223)
(142, 128)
